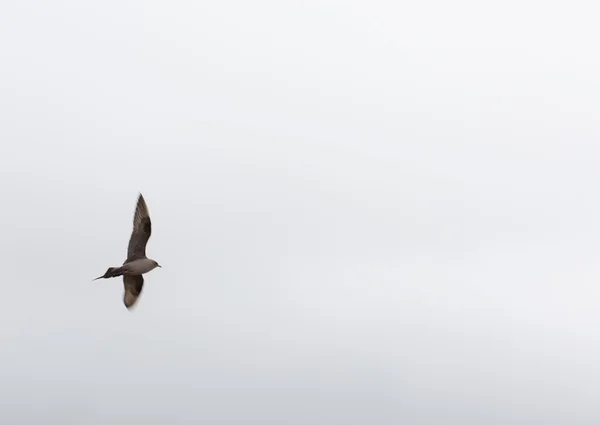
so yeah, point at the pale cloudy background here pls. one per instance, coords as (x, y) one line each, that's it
(367, 212)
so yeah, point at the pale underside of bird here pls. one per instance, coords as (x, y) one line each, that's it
(136, 263)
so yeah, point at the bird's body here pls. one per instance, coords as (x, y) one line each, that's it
(136, 263)
(141, 266)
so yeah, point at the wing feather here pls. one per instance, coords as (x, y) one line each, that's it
(142, 229)
(133, 288)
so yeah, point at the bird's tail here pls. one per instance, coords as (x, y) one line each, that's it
(111, 272)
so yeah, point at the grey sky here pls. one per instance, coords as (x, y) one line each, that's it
(366, 212)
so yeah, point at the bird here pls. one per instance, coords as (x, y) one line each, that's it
(136, 263)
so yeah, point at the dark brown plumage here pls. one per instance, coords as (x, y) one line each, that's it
(136, 250)
(133, 288)
(136, 263)
(142, 229)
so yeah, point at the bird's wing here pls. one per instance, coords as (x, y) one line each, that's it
(142, 228)
(133, 287)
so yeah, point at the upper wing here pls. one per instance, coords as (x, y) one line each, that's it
(142, 228)
(133, 288)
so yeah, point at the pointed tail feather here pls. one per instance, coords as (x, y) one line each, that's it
(111, 272)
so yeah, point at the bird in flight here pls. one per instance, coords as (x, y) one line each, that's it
(136, 263)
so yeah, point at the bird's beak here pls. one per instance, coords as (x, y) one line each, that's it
(159, 266)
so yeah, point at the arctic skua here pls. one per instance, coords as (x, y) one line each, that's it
(136, 263)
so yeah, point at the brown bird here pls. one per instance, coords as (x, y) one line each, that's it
(136, 263)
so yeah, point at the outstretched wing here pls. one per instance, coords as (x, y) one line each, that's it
(133, 288)
(142, 228)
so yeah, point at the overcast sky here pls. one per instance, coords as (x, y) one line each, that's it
(367, 212)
